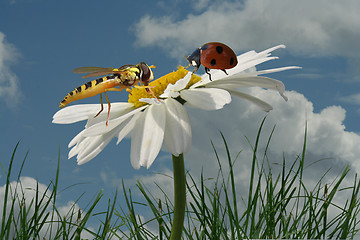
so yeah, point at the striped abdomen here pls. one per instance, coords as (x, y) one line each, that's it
(90, 89)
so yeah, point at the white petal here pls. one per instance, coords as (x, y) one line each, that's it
(76, 149)
(147, 136)
(80, 145)
(204, 80)
(89, 141)
(73, 152)
(172, 90)
(94, 146)
(206, 98)
(117, 109)
(258, 102)
(75, 113)
(150, 100)
(241, 68)
(276, 70)
(182, 83)
(101, 128)
(89, 147)
(82, 112)
(127, 126)
(247, 56)
(170, 93)
(78, 138)
(178, 129)
(249, 81)
(269, 50)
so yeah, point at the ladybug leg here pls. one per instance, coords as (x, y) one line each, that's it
(195, 69)
(224, 71)
(207, 70)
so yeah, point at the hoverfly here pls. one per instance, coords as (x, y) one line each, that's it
(121, 78)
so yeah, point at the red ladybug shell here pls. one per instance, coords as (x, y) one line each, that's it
(215, 55)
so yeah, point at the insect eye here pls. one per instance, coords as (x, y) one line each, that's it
(146, 72)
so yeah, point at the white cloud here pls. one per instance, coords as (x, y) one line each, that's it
(200, 4)
(9, 83)
(353, 99)
(314, 28)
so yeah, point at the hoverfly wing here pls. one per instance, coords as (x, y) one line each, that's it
(93, 71)
(126, 67)
(97, 74)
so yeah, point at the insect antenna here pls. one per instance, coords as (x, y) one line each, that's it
(187, 60)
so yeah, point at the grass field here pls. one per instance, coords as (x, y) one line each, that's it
(277, 205)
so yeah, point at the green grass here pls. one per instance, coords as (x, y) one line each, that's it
(278, 204)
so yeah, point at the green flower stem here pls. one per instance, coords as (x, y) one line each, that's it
(179, 197)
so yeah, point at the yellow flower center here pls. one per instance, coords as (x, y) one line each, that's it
(159, 85)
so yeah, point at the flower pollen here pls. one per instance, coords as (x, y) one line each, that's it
(159, 85)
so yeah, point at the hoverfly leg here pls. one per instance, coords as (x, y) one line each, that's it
(107, 99)
(148, 90)
(109, 106)
(102, 106)
(128, 90)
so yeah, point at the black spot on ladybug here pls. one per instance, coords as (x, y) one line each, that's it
(231, 61)
(219, 49)
(213, 62)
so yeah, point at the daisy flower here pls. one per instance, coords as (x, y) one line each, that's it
(152, 122)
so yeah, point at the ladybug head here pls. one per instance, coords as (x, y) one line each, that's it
(194, 59)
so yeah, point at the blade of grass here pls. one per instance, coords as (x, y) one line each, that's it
(233, 189)
(252, 176)
(6, 195)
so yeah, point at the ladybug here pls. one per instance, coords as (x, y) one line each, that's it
(213, 55)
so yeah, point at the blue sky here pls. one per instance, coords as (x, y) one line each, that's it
(42, 41)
